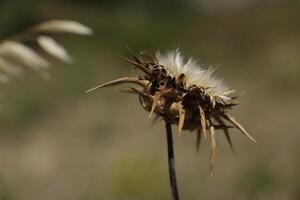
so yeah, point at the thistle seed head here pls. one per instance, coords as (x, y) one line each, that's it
(184, 94)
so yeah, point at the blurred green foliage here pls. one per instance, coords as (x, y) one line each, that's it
(258, 181)
(5, 192)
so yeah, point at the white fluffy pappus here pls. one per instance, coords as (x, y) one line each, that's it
(194, 73)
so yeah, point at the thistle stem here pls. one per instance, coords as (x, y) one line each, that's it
(171, 161)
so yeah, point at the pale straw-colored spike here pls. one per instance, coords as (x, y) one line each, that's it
(54, 48)
(133, 90)
(156, 98)
(9, 67)
(203, 121)
(127, 90)
(199, 137)
(62, 26)
(150, 56)
(228, 138)
(119, 81)
(136, 58)
(218, 127)
(238, 126)
(23, 55)
(181, 118)
(138, 65)
(212, 149)
(141, 93)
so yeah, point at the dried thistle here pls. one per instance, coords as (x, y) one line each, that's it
(21, 51)
(184, 94)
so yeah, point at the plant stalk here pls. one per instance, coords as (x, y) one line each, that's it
(171, 162)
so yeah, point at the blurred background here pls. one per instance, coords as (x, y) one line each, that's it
(58, 143)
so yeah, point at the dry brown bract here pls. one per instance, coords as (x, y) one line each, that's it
(26, 49)
(184, 94)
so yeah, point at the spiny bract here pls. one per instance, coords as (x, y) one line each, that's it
(182, 93)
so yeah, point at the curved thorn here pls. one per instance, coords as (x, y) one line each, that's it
(127, 90)
(138, 65)
(218, 127)
(150, 56)
(228, 138)
(132, 90)
(133, 55)
(142, 83)
(238, 126)
(141, 93)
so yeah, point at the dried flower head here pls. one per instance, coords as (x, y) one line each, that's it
(18, 51)
(184, 94)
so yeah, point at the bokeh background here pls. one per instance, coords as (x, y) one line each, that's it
(58, 143)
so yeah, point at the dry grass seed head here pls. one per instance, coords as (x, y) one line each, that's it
(18, 51)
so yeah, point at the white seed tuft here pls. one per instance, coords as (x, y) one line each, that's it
(194, 73)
